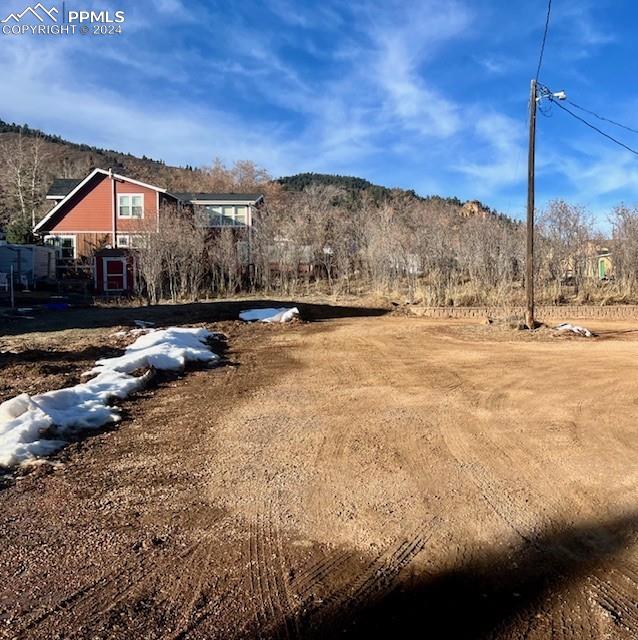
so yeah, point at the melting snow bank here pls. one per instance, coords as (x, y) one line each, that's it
(162, 349)
(270, 315)
(24, 419)
(580, 331)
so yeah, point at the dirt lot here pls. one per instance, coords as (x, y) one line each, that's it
(371, 476)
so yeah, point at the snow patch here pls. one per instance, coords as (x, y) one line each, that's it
(162, 349)
(573, 328)
(130, 332)
(270, 315)
(24, 419)
(144, 324)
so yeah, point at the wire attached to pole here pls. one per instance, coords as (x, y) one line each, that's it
(596, 115)
(540, 57)
(595, 128)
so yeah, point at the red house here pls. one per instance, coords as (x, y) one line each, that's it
(101, 217)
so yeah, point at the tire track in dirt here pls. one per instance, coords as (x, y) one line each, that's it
(529, 503)
(401, 370)
(378, 578)
(99, 597)
(87, 597)
(616, 594)
(383, 572)
(274, 545)
(497, 495)
(273, 607)
(559, 617)
(524, 517)
(574, 615)
(514, 498)
(200, 591)
(95, 600)
(319, 572)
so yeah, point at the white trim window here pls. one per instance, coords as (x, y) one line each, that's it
(67, 245)
(131, 241)
(222, 215)
(130, 205)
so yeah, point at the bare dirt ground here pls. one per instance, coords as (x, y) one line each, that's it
(367, 477)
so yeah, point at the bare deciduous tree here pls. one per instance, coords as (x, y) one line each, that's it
(566, 245)
(21, 165)
(173, 261)
(624, 221)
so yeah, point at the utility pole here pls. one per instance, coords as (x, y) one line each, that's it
(529, 264)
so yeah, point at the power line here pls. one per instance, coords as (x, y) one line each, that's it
(593, 113)
(540, 57)
(591, 126)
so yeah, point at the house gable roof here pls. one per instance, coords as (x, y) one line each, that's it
(80, 184)
(61, 187)
(195, 197)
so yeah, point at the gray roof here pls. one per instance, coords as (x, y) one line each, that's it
(63, 186)
(225, 197)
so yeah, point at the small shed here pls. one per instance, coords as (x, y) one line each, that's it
(114, 272)
(31, 263)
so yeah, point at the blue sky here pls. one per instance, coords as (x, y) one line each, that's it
(428, 95)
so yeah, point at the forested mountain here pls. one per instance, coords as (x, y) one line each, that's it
(352, 184)
(356, 186)
(64, 159)
(300, 181)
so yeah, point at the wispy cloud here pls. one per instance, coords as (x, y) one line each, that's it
(428, 95)
(608, 172)
(170, 6)
(403, 43)
(499, 141)
(157, 128)
(495, 65)
(582, 22)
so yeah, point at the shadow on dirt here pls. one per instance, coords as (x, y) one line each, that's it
(165, 314)
(54, 356)
(487, 597)
(606, 334)
(65, 359)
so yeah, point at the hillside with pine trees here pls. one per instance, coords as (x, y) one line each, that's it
(31, 159)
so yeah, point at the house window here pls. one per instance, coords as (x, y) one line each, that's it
(228, 216)
(241, 216)
(66, 245)
(209, 216)
(130, 241)
(130, 205)
(222, 215)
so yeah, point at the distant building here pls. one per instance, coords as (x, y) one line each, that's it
(600, 260)
(108, 211)
(604, 266)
